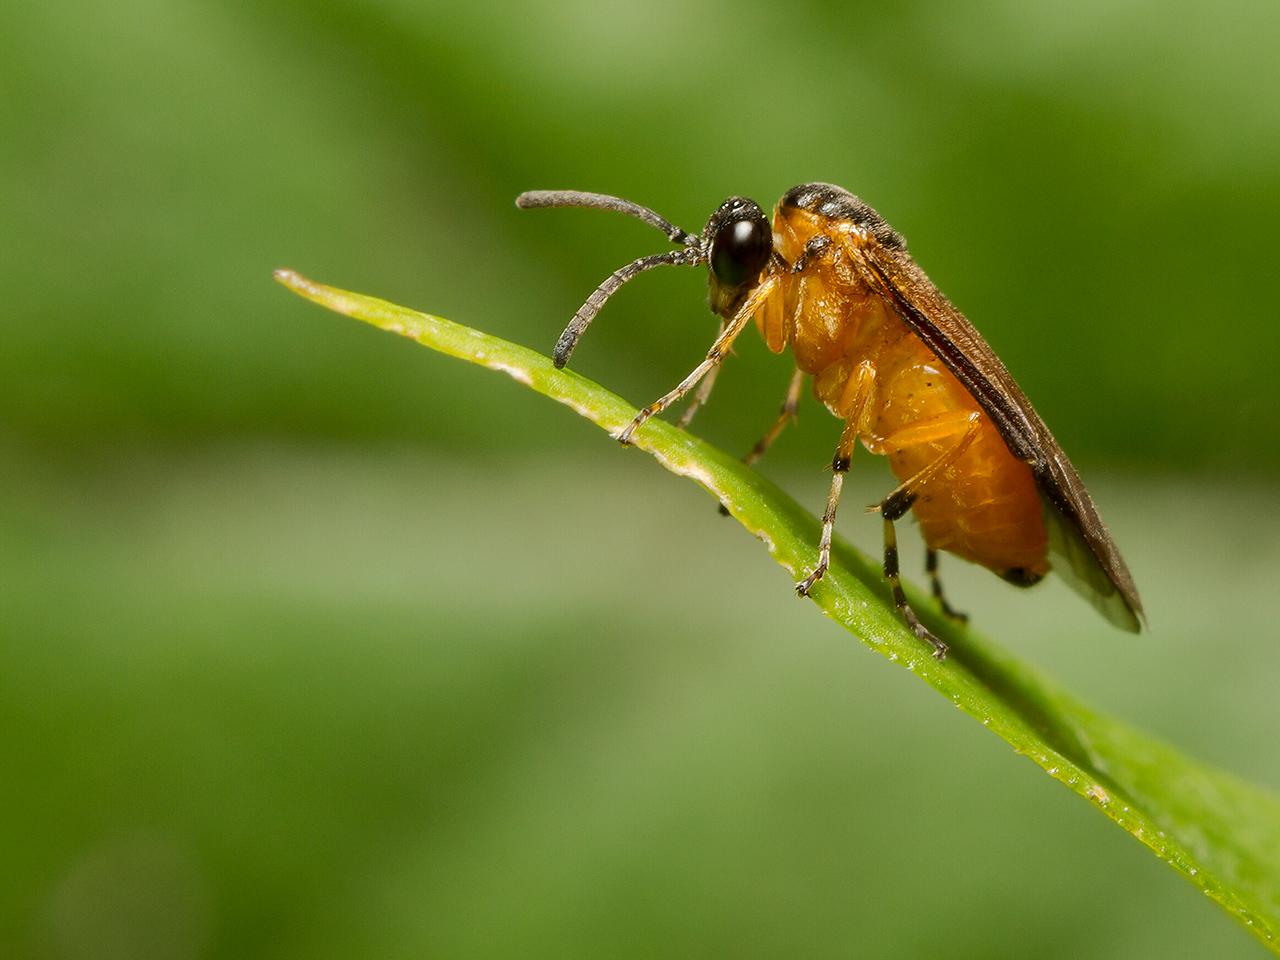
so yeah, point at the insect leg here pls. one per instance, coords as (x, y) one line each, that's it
(896, 504)
(931, 568)
(865, 378)
(899, 598)
(704, 392)
(839, 467)
(964, 424)
(715, 355)
(785, 416)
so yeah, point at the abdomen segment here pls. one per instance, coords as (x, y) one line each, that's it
(984, 505)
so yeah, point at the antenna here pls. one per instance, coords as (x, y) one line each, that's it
(691, 255)
(602, 201)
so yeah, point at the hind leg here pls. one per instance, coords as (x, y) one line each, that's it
(895, 585)
(935, 584)
(961, 425)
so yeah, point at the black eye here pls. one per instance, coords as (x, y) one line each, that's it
(740, 250)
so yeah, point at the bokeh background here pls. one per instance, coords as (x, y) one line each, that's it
(316, 644)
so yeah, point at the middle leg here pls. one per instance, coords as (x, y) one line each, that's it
(839, 467)
(861, 390)
(788, 413)
(785, 416)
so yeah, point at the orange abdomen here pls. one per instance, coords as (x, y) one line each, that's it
(985, 506)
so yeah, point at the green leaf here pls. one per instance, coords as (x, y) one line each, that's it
(1219, 832)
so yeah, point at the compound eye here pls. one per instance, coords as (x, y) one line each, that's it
(739, 251)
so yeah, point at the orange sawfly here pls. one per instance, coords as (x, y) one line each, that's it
(907, 374)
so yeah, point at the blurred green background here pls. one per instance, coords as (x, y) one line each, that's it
(315, 644)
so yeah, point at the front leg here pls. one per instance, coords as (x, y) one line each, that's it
(702, 396)
(719, 350)
(714, 356)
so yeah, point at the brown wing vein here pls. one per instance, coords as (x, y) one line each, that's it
(959, 345)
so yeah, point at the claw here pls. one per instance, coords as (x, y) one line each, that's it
(636, 423)
(624, 436)
(805, 585)
(923, 632)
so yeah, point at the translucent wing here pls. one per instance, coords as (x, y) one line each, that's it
(1087, 557)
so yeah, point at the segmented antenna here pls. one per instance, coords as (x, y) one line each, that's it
(692, 253)
(602, 201)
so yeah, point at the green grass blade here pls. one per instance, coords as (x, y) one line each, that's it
(1219, 832)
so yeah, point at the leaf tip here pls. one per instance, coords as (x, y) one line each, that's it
(291, 279)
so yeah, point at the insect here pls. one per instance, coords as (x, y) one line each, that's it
(903, 370)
